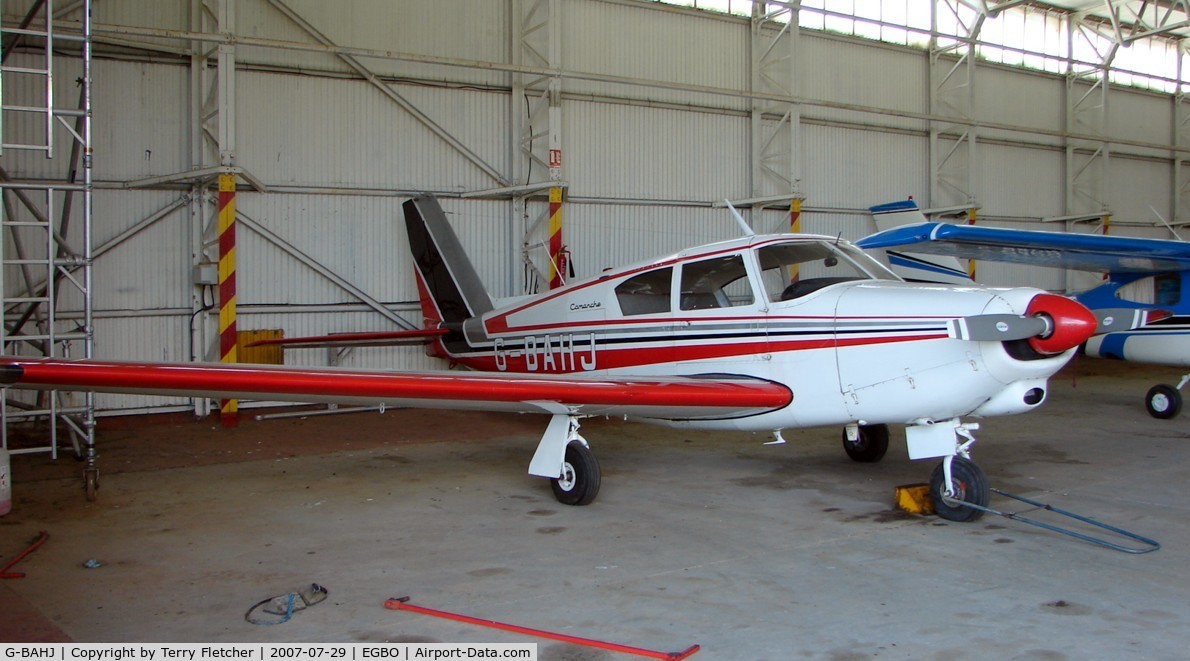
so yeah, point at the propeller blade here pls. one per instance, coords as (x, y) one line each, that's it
(998, 327)
(1110, 320)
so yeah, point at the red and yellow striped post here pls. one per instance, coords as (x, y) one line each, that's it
(795, 227)
(558, 256)
(228, 408)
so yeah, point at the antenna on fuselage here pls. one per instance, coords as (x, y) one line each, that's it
(739, 219)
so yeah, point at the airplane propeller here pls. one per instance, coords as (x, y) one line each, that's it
(1051, 324)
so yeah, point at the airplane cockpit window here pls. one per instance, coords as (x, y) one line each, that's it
(646, 293)
(792, 270)
(721, 282)
(1162, 289)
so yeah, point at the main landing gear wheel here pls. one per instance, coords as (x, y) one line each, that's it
(869, 446)
(579, 483)
(1163, 401)
(969, 484)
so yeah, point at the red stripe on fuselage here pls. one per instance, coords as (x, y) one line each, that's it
(605, 357)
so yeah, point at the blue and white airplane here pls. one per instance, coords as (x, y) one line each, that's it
(1146, 275)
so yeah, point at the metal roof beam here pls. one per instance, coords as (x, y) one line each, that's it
(1133, 20)
(1166, 18)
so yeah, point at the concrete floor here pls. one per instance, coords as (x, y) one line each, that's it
(751, 551)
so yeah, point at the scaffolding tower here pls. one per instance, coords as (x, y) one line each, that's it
(45, 256)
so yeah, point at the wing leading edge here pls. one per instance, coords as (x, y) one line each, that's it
(680, 398)
(1084, 252)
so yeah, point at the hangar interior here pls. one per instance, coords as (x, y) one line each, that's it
(327, 119)
(621, 124)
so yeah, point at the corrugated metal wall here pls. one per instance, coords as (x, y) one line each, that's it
(862, 73)
(324, 132)
(654, 43)
(623, 151)
(643, 162)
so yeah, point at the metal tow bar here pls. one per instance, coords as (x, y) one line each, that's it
(1150, 545)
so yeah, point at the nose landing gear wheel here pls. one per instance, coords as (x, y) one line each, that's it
(1163, 401)
(870, 446)
(969, 484)
(579, 483)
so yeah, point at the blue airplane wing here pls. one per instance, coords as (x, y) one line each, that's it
(1084, 252)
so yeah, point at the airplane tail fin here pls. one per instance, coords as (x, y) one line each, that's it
(915, 267)
(448, 286)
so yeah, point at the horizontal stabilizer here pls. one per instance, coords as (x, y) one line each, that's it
(378, 339)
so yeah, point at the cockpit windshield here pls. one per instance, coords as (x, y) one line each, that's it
(792, 270)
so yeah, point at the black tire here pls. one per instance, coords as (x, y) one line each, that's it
(970, 485)
(1163, 401)
(870, 446)
(580, 479)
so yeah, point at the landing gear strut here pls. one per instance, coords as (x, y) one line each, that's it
(958, 488)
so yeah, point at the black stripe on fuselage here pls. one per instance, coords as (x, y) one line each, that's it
(639, 336)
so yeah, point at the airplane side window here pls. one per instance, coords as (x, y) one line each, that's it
(721, 282)
(1164, 289)
(646, 293)
(1169, 289)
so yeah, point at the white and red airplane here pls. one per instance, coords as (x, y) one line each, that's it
(760, 333)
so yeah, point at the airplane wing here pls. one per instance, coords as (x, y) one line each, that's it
(679, 398)
(1084, 252)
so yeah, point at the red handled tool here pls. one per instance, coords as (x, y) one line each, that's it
(402, 603)
(4, 573)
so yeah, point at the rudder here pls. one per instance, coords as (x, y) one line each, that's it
(448, 285)
(916, 267)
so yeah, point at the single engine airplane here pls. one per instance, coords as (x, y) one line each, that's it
(716, 337)
(1150, 276)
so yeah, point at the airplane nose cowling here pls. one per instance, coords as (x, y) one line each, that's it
(1071, 323)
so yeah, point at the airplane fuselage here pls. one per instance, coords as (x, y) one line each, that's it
(1165, 342)
(851, 342)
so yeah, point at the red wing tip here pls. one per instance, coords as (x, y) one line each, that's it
(1153, 316)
